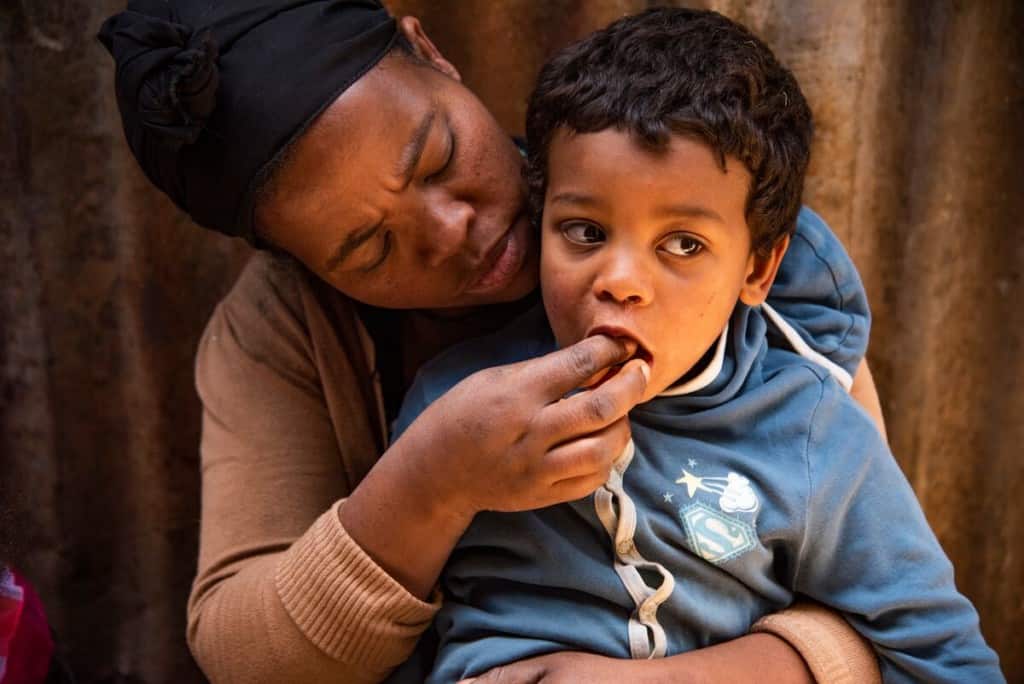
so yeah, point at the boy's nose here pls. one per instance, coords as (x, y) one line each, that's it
(624, 280)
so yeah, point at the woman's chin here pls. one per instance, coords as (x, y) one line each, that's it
(525, 281)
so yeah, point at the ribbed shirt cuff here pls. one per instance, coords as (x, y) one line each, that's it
(345, 603)
(833, 651)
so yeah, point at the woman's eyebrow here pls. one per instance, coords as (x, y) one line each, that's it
(404, 168)
(413, 149)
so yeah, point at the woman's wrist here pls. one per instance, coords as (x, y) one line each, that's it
(743, 659)
(400, 518)
(418, 465)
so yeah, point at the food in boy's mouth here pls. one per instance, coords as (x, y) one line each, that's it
(639, 351)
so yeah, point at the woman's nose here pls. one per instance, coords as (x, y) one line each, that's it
(624, 279)
(447, 232)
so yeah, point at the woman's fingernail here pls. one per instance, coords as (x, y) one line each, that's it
(646, 370)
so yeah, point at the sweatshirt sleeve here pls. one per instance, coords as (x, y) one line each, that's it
(819, 292)
(282, 593)
(869, 553)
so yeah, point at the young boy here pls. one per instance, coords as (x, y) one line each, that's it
(667, 158)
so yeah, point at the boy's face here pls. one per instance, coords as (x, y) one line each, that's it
(650, 245)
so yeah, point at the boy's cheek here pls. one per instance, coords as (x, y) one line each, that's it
(564, 289)
(550, 285)
(558, 310)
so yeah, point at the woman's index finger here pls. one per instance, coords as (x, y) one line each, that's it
(587, 412)
(560, 372)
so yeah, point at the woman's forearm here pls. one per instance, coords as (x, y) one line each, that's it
(282, 592)
(239, 631)
(803, 643)
(751, 658)
(273, 602)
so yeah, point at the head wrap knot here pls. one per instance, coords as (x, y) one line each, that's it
(175, 70)
(211, 91)
(179, 99)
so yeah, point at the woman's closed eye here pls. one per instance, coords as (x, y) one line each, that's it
(385, 249)
(681, 244)
(445, 169)
(582, 232)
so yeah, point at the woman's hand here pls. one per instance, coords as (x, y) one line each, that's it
(567, 668)
(503, 439)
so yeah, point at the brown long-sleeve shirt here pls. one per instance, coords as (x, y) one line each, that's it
(292, 421)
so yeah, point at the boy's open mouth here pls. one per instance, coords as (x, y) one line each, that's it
(639, 352)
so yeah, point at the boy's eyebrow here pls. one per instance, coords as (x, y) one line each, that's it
(690, 211)
(680, 210)
(575, 198)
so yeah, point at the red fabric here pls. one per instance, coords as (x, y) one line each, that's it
(25, 639)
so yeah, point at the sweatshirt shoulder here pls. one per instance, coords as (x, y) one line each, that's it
(820, 408)
(525, 337)
(819, 293)
(841, 436)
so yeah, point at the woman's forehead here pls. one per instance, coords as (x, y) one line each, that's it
(365, 130)
(352, 152)
(391, 95)
(360, 135)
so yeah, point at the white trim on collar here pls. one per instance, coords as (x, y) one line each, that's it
(803, 349)
(706, 376)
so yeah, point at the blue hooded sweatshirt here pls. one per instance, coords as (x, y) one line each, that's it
(759, 480)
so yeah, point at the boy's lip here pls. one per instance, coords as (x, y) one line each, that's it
(640, 351)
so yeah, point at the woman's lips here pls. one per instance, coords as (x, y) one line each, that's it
(507, 260)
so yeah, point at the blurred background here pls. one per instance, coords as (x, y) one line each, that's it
(105, 288)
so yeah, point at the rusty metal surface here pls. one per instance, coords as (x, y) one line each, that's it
(104, 289)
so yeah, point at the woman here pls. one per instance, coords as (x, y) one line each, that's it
(331, 133)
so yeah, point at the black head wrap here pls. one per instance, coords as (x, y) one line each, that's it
(211, 91)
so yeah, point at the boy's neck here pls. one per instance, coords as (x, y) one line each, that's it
(698, 367)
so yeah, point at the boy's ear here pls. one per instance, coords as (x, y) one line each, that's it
(761, 271)
(424, 48)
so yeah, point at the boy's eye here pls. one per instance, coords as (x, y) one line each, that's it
(682, 245)
(581, 233)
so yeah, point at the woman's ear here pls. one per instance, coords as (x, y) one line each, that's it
(761, 271)
(424, 48)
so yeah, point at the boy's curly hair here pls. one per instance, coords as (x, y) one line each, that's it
(685, 72)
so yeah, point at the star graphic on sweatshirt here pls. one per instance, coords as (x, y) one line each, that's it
(692, 482)
(668, 497)
(691, 463)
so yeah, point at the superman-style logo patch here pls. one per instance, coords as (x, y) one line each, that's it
(714, 535)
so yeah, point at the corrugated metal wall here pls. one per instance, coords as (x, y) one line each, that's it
(104, 290)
